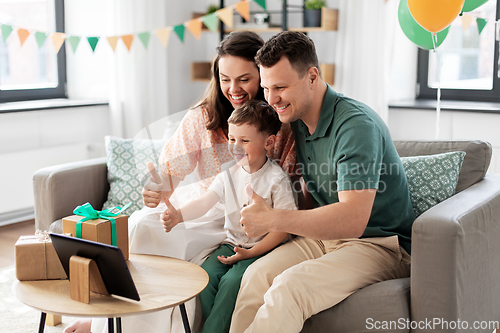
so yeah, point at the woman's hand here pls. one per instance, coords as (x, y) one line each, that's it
(170, 217)
(241, 254)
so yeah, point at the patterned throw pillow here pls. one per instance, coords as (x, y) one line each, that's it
(127, 170)
(432, 178)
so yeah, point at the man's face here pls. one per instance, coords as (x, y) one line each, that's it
(289, 95)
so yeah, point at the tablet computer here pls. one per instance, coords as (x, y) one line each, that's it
(109, 260)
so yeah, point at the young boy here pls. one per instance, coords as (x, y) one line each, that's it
(252, 130)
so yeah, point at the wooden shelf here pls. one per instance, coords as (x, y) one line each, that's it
(328, 73)
(201, 71)
(329, 21)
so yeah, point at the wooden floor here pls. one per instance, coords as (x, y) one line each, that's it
(9, 234)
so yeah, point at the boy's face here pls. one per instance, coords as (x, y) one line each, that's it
(248, 146)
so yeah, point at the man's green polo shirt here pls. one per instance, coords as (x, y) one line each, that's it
(351, 149)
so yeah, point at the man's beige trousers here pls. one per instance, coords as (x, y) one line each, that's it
(280, 291)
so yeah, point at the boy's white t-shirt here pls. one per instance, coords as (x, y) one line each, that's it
(270, 182)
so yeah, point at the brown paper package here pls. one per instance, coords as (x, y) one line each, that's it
(36, 259)
(99, 230)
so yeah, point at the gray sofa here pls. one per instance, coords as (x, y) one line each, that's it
(455, 249)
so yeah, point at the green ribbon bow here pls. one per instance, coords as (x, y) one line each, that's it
(89, 213)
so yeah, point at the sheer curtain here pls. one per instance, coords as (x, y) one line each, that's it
(364, 51)
(139, 85)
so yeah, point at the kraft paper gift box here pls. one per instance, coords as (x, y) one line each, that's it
(36, 259)
(99, 229)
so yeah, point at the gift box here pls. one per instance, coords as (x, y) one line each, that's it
(107, 226)
(36, 259)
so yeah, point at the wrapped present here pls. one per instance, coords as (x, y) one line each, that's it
(108, 226)
(36, 258)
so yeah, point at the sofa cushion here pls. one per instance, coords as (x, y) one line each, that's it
(127, 172)
(476, 161)
(384, 302)
(432, 178)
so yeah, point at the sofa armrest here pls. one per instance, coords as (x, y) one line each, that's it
(59, 189)
(455, 257)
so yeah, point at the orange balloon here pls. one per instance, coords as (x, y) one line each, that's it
(435, 15)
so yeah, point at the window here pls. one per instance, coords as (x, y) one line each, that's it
(29, 72)
(468, 61)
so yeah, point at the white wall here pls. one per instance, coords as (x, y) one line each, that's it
(36, 139)
(408, 124)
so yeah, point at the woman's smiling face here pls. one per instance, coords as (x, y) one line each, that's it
(239, 79)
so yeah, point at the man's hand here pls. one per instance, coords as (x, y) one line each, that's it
(256, 217)
(241, 254)
(170, 217)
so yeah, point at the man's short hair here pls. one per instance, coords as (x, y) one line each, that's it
(298, 48)
(257, 113)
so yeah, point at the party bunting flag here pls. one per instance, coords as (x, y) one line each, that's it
(74, 41)
(179, 30)
(480, 24)
(194, 26)
(243, 8)
(262, 3)
(466, 21)
(226, 16)
(144, 37)
(23, 34)
(57, 40)
(6, 30)
(210, 21)
(93, 42)
(163, 35)
(127, 40)
(112, 41)
(40, 38)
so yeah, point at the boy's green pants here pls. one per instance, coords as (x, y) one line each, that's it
(219, 297)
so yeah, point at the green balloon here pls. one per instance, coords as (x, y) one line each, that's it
(413, 30)
(470, 5)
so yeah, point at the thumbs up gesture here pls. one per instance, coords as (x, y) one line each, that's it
(170, 217)
(256, 217)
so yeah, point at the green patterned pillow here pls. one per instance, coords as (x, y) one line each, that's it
(432, 178)
(127, 170)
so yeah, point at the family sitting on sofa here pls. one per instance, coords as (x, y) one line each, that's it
(284, 265)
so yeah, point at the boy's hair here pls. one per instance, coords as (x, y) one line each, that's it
(295, 46)
(257, 113)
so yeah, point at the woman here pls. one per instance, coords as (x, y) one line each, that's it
(198, 147)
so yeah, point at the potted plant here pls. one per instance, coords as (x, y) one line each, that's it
(312, 12)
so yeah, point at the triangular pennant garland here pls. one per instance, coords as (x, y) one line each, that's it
(57, 40)
(6, 30)
(194, 26)
(127, 40)
(466, 21)
(211, 21)
(40, 38)
(226, 16)
(23, 34)
(112, 41)
(480, 24)
(163, 35)
(179, 30)
(144, 37)
(74, 41)
(262, 3)
(93, 42)
(243, 8)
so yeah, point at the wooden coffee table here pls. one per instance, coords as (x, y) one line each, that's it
(162, 283)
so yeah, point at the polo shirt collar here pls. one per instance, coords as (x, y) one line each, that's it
(325, 117)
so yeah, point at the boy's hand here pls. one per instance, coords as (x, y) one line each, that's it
(170, 217)
(151, 194)
(240, 254)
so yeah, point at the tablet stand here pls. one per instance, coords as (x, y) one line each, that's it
(84, 277)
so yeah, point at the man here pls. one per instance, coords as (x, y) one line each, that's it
(359, 230)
